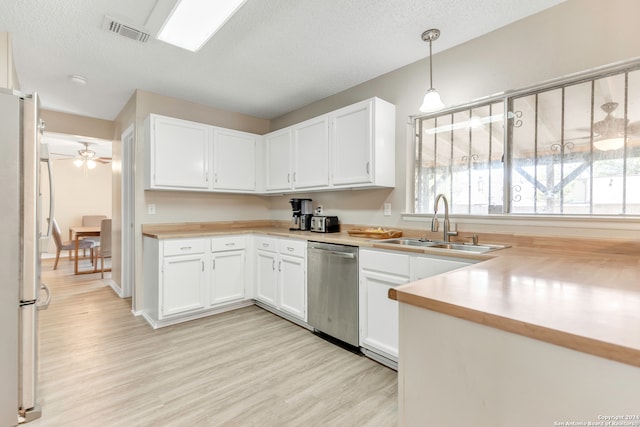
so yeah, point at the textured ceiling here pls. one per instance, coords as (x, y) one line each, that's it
(272, 57)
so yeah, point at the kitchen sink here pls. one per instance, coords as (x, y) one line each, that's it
(410, 242)
(443, 245)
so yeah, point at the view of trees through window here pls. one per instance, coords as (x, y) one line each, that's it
(570, 149)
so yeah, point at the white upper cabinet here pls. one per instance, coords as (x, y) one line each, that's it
(234, 160)
(184, 155)
(363, 144)
(353, 147)
(177, 153)
(278, 160)
(311, 153)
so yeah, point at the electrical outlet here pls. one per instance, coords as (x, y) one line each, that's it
(387, 209)
(319, 210)
(151, 208)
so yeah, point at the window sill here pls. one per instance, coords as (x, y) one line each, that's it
(553, 223)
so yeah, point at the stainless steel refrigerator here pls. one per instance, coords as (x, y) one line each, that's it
(21, 292)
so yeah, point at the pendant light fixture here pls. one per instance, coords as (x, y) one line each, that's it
(432, 101)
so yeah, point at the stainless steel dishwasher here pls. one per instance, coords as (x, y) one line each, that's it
(332, 290)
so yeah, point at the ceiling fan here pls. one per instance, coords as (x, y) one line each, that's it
(87, 158)
(609, 133)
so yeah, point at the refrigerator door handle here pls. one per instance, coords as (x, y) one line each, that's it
(51, 196)
(46, 303)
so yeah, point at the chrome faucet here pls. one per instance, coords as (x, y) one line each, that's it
(434, 220)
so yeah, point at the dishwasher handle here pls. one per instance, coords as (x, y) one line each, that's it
(348, 255)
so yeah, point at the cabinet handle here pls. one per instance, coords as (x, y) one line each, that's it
(185, 248)
(294, 177)
(289, 177)
(368, 168)
(265, 245)
(229, 244)
(290, 249)
(202, 265)
(280, 266)
(215, 177)
(206, 177)
(213, 264)
(273, 264)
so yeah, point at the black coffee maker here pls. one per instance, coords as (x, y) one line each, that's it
(302, 211)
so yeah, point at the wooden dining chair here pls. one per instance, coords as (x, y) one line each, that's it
(68, 245)
(104, 250)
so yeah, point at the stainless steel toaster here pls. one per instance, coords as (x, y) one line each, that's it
(325, 224)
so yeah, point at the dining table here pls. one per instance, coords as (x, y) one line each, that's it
(77, 233)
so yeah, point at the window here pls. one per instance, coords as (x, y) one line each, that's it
(572, 148)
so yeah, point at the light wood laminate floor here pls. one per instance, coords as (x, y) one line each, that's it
(102, 366)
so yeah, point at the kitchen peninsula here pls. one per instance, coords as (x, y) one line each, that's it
(550, 332)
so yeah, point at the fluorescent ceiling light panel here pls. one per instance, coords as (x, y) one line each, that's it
(193, 22)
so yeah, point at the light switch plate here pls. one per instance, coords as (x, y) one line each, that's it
(319, 210)
(151, 208)
(387, 209)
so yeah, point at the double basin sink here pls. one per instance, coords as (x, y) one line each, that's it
(425, 243)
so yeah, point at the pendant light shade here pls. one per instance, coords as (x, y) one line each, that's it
(432, 101)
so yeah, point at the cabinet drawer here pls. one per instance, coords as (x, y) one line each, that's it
(184, 246)
(293, 247)
(230, 243)
(266, 243)
(386, 262)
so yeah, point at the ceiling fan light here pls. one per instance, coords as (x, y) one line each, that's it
(431, 102)
(91, 164)
(78, 162)
(609, 144)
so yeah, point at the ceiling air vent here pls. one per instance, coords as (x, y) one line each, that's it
(114, 26)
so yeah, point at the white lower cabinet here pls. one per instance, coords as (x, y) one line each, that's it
(381, 271)
(189, 278)
(281, 280)
(182, 284)
(228, 269)
(266, 276)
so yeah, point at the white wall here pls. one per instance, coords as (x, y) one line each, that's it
(574, 36)
(77, 195)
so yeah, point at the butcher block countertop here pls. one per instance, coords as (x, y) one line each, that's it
(582, 294)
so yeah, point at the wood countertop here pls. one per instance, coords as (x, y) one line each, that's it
(582, 294)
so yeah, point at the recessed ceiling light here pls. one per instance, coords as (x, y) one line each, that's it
(193, 22)
(78, 79)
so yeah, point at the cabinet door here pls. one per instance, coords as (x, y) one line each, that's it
(422, 266)
(352, 143)
(228, 277)
(179, 153)
(266, 277)
(234, 159)
(182, 287)
(292, 286)
(311, 153)
(379, 316)
(278, 160)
